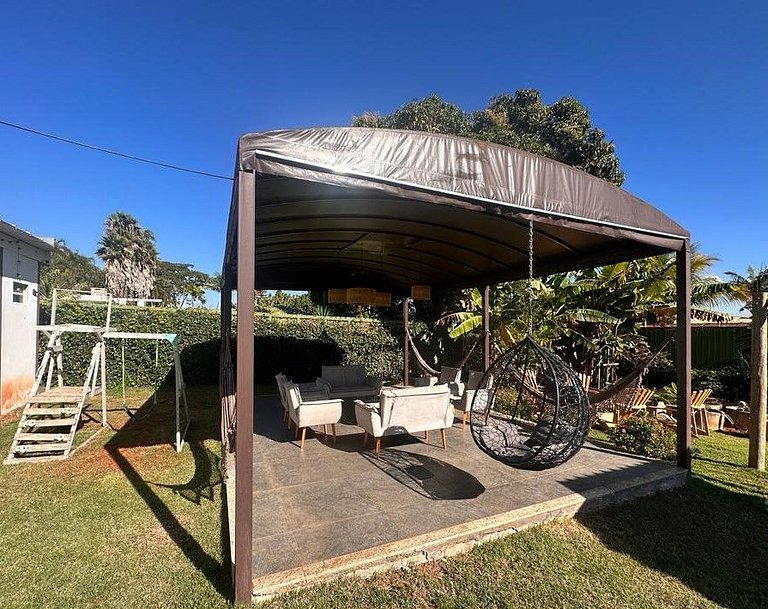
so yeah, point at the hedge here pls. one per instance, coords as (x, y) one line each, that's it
(297, 345)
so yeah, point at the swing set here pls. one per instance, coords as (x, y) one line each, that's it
(53, 411)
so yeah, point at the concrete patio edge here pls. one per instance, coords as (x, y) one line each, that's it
(461, 538)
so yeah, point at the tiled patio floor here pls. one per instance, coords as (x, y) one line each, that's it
(417, 500)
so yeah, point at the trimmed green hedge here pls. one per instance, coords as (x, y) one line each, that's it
(296, 345)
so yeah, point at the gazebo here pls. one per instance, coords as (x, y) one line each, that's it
(353, 207)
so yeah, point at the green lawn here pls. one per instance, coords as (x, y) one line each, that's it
(126, 522)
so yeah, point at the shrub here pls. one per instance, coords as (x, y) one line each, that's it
(729, 382)
(297, 345)
(644, 435)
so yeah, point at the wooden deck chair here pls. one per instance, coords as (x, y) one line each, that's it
(698, 410)
(629, 404)
(586, 380)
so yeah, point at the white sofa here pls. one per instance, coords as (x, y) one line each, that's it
(406, 410)
(349, 382)
(320, 410)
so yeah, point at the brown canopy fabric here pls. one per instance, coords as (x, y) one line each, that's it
(344, 207)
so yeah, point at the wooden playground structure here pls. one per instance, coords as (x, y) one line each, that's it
(53, 410)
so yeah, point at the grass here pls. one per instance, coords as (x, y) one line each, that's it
(126, 522)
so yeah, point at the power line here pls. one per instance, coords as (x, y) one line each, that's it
(113, 152)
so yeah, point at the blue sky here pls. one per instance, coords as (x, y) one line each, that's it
(679, 86)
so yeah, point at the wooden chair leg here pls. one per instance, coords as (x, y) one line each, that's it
(333, 429)
(426, 437)
(325, 429)
(303, 435)
(378, 447)
(464, 420)
(442, 434)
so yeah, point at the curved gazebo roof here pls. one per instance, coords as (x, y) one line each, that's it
(344, 207)
(351, 207)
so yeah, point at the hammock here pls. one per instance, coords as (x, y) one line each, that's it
(631, 380)
(423, 363)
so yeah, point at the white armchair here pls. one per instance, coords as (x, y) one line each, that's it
(474, 388)
(406, 410)
(304, 412)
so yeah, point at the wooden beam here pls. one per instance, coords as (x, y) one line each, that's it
(683, 355)
(246, 266)
(759, 382)
(406, 346)
(486, 327)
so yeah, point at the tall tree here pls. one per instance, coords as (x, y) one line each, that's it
(129, 255)
(562, 131)
(180, 285)
(70, 270)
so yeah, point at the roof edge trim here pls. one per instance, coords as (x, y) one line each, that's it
(272, 156)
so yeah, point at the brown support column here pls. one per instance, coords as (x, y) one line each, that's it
(683, 355)
(486, 328)
(759, 382)
(246, 264)
(406, 345)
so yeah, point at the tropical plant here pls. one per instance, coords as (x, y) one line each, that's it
(129, 255)
(590, 315)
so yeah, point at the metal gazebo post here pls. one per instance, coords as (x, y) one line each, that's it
(683, 354)
(246, 263)
(406, 346)
(486, 328)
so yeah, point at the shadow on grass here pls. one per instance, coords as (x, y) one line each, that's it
(710, 535)
(154, 425)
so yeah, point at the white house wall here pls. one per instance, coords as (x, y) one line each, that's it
(20, 266)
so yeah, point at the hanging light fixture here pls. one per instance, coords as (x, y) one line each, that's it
(337, 297)
(360, 296)
(383, 299)
(421, 292)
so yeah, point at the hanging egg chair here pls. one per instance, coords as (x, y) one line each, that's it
(530, 410)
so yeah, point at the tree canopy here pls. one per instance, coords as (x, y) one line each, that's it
(562, 131)
(180, 285)
(69, 269)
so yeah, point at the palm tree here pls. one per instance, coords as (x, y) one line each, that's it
(129, 255)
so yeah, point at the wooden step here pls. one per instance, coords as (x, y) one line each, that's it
(41, 412)
(58, 395)
(35, 423)
(40, 448)
(41, 437)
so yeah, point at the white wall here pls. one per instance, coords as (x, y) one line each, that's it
(20, 264)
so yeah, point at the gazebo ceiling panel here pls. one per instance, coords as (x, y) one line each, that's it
(344, 207)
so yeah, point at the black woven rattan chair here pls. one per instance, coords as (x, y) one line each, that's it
(536, 414)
